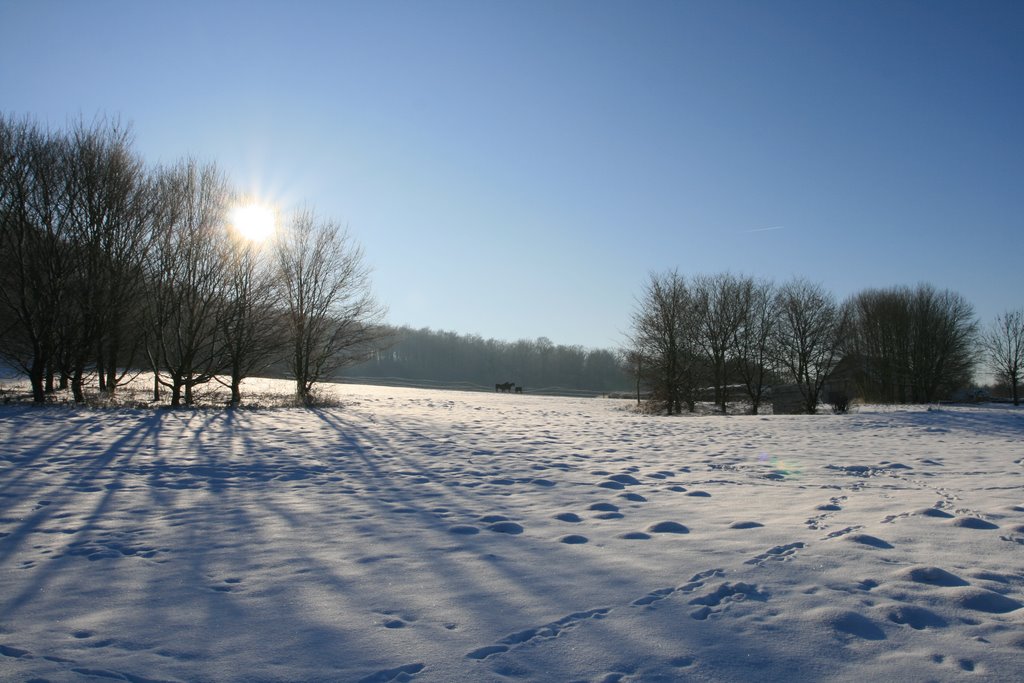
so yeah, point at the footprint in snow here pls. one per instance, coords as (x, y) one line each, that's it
(463, 530)
(996, 577)
(974, 523)
(725, 593)
(12, 652)
(982, 600)
(846, 623)
(965, 664)
(779, 553)
(668, 528)
(571, 517)
(532, 635)
(227, 586)
(399, 673)
(745, 525)
(606, 511)
(624, 673)
(870, 541)
(574, 539)
(506, 528)
(485, 652)
(917, 618)
(932, 576)
(935, 512)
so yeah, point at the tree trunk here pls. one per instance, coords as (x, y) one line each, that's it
(100, 372)
(76, 385)
(639, 374)
(37, 376)
(111, 367)
(111, 376)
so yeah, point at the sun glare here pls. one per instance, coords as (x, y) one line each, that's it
(254, 222)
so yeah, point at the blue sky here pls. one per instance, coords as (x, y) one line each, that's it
(516, 169)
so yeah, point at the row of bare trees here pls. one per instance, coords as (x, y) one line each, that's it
(720, 330)
(708, 334)
(107, 266)
(1003, 346)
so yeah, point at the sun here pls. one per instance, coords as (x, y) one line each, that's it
(254, 222)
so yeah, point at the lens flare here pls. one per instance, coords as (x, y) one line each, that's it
(779, 467)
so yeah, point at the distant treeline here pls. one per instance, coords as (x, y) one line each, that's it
(437, 356)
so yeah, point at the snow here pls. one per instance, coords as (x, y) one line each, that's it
(411, 535)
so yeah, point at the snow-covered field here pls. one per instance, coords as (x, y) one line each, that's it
(443, 536)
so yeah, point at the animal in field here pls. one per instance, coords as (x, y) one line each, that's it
(505, 387)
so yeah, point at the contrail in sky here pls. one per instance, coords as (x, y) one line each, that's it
(774, 227)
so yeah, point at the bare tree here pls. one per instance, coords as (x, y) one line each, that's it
(185, 278)
(719, 300)
(808, 337)
(333, 319)
(250, 323)
(35, 261)
(910, 344)
(109, 206)
(879, 343)
(754, 345)
(664, 342)
(945, 333)
(1003, 344)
